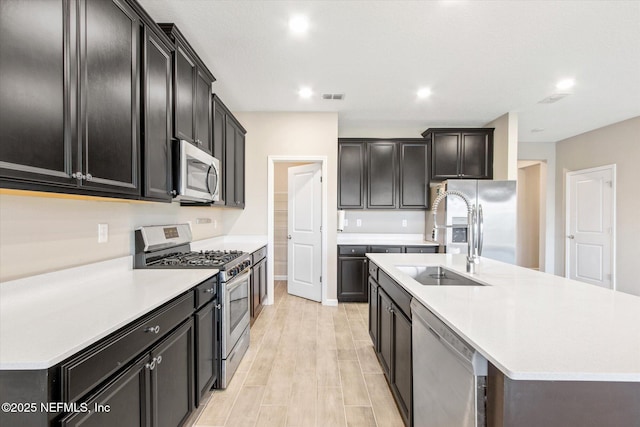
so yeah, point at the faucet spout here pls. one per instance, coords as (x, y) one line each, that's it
(472, 227)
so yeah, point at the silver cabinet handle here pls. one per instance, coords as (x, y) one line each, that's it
(154, 329)
(209, 291)
(151, 366)
(89, 177)
(78, 175)
(218, 307)
(159, 360)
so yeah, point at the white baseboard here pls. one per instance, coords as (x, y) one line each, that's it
(330, 302)
(280, 277)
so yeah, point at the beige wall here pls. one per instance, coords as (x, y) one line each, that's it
(505, 146)
(40, 233)
(617, 144)
(287, 134)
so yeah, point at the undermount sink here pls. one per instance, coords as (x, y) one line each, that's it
(436, 276)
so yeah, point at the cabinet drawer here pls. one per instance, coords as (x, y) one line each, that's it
(399, 296)
(89, 369)
(258, 255)
(352, 250)
(386, 249)
(373, 270)
(205, 291)
(421, 249)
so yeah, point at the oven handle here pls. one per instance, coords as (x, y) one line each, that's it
(231, 284)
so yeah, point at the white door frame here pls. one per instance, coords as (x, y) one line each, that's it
(272, 160)
(567, 199)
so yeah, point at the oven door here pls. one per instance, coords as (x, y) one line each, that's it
(198, 175)
(235, 310)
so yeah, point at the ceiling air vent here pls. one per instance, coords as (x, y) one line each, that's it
(553, 98)
(336, 96)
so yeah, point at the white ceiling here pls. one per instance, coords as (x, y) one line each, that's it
(481, 59)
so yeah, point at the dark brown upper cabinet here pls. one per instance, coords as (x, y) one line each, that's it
(414, 175)
(229, 147)
(461, 153)
(351, 174)
(191, 92)
(158, 114)
(383, 174)
(70, 117)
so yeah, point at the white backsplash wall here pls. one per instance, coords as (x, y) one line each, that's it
(384, 221)
(39, 234)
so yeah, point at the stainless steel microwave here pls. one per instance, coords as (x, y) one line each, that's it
(196, 175)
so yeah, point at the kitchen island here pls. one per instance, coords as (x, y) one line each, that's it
(557, 349)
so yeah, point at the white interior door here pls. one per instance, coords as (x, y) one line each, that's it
(591, 226)
(304, 249)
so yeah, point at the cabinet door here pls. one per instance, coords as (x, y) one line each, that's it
(36, 115)
(218, 123)
(172, 381)
(239, 168)
(263, 281)
(157, 119)
(414, 176)
(126, 396)
(444, 155)
(351, 177)
(352, 279)
(382, 175)
(206, 369)
(109, 88)
(476, 155)
(401, 367)
(385, 322)
(184, 88)
(373, 312)
(203, 112)
(230, 163)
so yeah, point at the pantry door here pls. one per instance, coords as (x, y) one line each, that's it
(304, 248)
(590, 227)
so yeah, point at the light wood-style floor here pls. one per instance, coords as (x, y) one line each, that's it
(308, 365)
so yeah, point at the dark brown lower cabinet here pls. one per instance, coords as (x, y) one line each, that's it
(172, 383)
(156, 390)
(125, 399)
(352, 279)
(390, 329)
(207, 348)
(258, 287)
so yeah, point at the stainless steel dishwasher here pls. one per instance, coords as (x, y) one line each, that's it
(449, 376)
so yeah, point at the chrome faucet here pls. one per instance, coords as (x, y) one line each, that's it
(472, 227)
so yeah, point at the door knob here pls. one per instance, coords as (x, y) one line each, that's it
(571, 236)
(289, 237)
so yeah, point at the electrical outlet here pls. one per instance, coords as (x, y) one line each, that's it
(103, 233)
(404, 222)
(358, 222)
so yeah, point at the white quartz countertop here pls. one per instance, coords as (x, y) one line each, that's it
(384, 239)
(44, 319)
(532, 325)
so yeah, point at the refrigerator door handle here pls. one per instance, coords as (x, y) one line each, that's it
(480, 229)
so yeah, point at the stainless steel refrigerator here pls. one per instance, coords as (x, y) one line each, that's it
(499, 203)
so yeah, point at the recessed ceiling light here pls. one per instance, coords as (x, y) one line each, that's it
(425, 92)
(298, 24)
(305, 92)
(565, 84)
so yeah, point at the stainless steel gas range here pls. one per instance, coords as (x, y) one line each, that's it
(169, 246)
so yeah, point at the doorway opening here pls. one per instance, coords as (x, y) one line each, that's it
(531, 229)
(277, 212)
